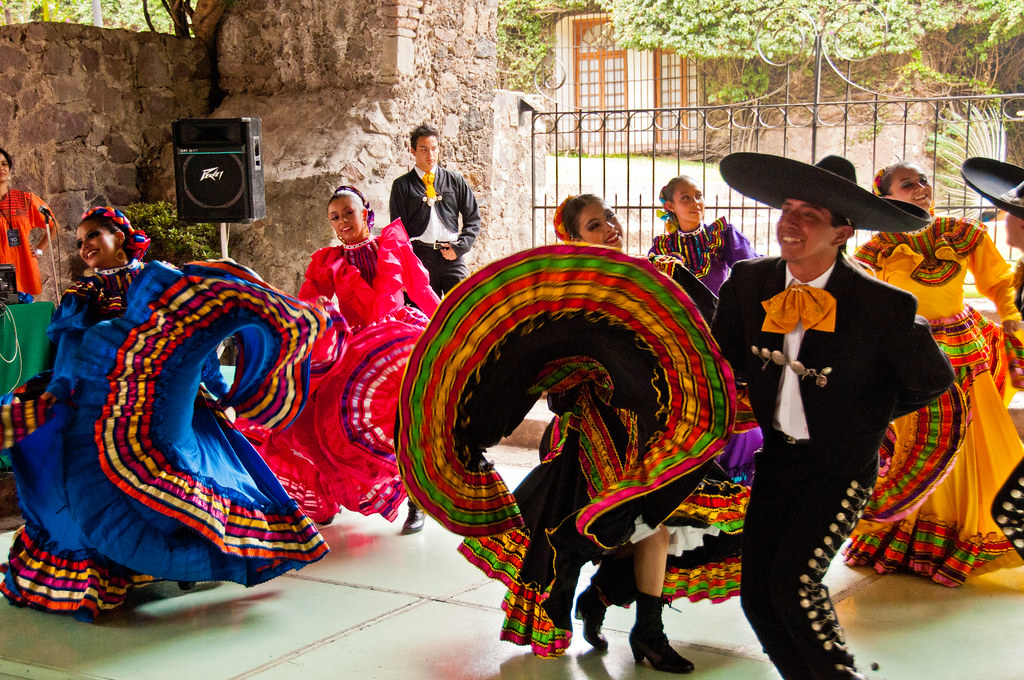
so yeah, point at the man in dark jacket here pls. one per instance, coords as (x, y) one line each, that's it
(430, 199)
(830, 356)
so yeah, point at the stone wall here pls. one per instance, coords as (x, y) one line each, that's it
(84, 110)
(338, 87)
(510, 217)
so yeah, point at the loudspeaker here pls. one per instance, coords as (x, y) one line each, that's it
(218, 170)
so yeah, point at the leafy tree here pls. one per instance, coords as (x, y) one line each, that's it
(970, 45)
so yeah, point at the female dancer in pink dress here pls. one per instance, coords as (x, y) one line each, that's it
(340, 451)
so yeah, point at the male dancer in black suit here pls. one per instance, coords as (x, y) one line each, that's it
(1003, 185)
(828, 364)
(429, 199)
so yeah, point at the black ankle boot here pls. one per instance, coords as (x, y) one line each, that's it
(590, 610)
(648, 639)
(414, 522)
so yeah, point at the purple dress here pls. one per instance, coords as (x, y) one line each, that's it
(709, 252)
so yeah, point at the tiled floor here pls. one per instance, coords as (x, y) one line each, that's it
(393, 607)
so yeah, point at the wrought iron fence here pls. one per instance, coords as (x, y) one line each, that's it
(620, 123)
(620, 155)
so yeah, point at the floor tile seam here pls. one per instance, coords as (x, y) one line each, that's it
(855, 587)
(421, 600)
(382, 589)
(329, 639)
(53, 672)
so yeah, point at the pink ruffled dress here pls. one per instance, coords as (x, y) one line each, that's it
(340, 451)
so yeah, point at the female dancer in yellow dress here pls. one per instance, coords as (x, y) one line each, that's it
(941, 466)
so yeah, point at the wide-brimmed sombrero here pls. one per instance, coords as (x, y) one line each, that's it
(1001, 183)
(830, 183)
(499, 340)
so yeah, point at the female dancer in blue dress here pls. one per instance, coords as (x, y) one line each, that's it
(137, 473)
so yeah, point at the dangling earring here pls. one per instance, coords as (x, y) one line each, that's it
(122, 257)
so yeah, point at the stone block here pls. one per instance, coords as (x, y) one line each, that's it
(10, 81)
(6, 115)
(486, 49)
(56, 60)
(351, 172)
(68, 125)
(373, 120)
(67, 89)
(124, 189)
(160, 106)
(89, 58)
(399, 56)
(153, 68)
(119, 149)
(28, 99)
(12, 59)
(445, 35)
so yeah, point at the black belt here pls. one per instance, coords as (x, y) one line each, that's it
(793, 441)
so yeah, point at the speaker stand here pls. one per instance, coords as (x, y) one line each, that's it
(224, 240)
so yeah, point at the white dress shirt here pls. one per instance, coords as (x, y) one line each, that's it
(435, 231)
(789, 407)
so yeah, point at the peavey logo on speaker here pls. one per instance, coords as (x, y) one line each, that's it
(214, 173)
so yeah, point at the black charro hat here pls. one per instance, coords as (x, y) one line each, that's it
(1001, 183)
(830, 183)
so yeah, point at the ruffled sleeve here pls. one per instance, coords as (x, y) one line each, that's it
(993, 278)
(737, 246)
(399, 269)
(868, 253)
(331, 276)
(69, 323)
(319, 277)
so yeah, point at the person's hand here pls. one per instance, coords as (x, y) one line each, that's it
(48, 399)
(1011, 327)
(447, 252)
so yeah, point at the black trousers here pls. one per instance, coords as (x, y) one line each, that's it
(800, 513)
(1008, 508)
(444, 274)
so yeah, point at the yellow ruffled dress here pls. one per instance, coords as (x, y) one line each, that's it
(942, 465)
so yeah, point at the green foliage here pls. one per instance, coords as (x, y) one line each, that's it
(174, 241)
(523, 41)
(706, 29)
(525, 38)
(958, 46)
(116, 13)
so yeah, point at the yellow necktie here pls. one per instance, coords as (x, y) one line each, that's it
(428, 179)
(814, 306)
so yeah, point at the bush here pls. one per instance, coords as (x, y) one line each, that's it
(174, 241)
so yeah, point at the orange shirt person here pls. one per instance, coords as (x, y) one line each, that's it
(19, 215)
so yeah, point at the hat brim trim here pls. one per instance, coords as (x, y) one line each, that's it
(772, 180)
(992, 179)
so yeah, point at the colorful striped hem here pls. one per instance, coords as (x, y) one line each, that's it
(74, 584)
(526, 623)
(715, 581)
(926, 547)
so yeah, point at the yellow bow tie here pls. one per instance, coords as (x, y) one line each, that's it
(428, 179)
(814, 306)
